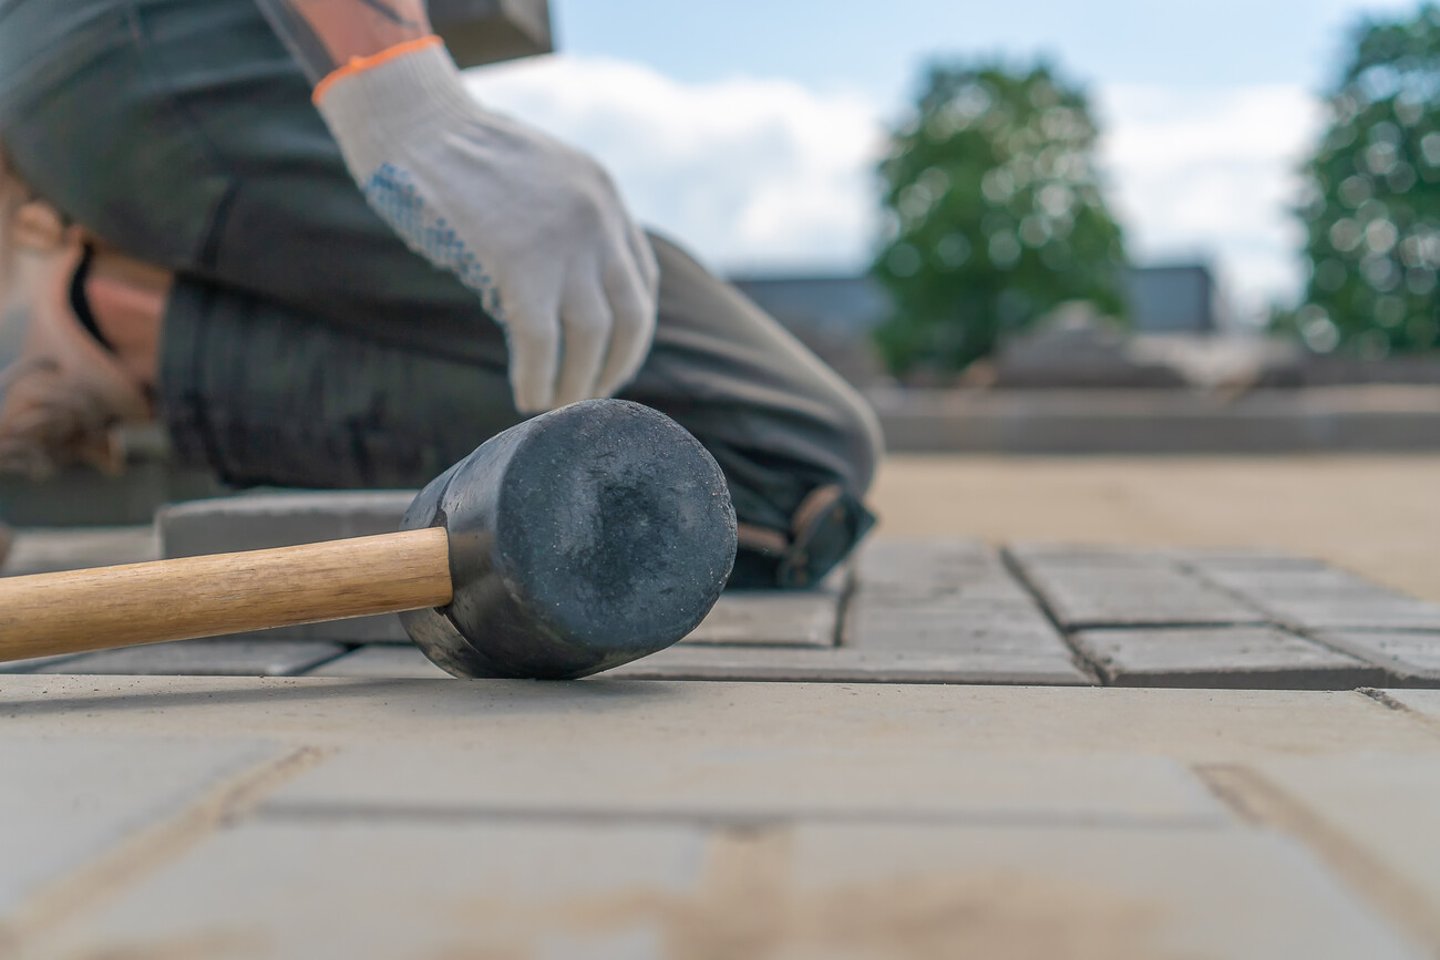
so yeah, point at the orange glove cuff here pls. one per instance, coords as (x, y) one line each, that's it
(361, 64)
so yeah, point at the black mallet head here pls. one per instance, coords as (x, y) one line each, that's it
(579, 540)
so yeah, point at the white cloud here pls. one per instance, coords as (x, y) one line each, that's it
(1212, 172)
(752, 173)
(766, 174)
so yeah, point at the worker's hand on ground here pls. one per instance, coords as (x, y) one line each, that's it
(537, 229)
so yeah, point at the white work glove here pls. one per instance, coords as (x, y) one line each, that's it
(537, 229)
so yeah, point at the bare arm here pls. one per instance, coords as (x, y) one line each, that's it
(326, 34)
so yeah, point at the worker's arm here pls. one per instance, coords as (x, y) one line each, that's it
(535, 228)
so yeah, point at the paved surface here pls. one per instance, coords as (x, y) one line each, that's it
(227, 817)
(954, 766)
(935, 612)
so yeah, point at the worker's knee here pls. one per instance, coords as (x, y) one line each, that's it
(821, 499)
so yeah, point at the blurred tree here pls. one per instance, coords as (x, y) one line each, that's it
(995, 214)
(1372, 214)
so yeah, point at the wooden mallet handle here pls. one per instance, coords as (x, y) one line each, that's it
(80, 610)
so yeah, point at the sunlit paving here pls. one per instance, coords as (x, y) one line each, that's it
(551, 479)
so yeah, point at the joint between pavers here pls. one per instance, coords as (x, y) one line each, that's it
(1084, 664)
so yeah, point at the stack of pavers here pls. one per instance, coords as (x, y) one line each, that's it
(904, 612)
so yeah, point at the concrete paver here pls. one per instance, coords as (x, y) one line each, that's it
(223, 658)
(814, 819)
(1408, 656)
(1325, 599)
(739, 785)
(406, 889)
(597, 890)
(66, 801)
(1208, 657)
(1046, 662)
(1083, 591)
(381, 660)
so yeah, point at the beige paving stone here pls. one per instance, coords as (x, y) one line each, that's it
(1381, 808)
(1424, 703)
(221, 657)
(997, 661)
(406, 889)
(475, 888)
(1413, 657)
(1263, 657)
(66, 801)
(1089, 894)
(593, 716)
(717, 782)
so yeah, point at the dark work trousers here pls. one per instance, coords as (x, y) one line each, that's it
(305, 345)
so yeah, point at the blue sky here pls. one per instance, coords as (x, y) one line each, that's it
(874, 45)
(751, 129)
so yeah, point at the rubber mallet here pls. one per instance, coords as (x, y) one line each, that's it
(572, 543)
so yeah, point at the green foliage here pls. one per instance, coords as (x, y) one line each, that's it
(1373, 214)
(996, 211)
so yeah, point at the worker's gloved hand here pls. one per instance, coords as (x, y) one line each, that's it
(537, 229)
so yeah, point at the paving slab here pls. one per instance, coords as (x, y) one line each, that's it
(1423, 703)
(1265, 657)
(221, 658)
(391, 661)
(1096, 893)
(1041, 663)
(593, 716)
(1408, 657)
(981, 662)
(932, 570)
(45, 551)
(417, 888)
(1085, 587)
(806, 618)
(746, 785)
(64, 802)
(1374, 806)
(1326, 599)
(405, 889)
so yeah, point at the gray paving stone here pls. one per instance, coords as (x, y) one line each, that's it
(64, 802)
(806, 618)
(47, 550)
(1240, 657)
(947, 626)
(934, 570)
(997, 663)
(35, 664)
(1412, 657)
(1327, 599)
(259, 521)
(221, 658)
(1131, 592)
(376, 660)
